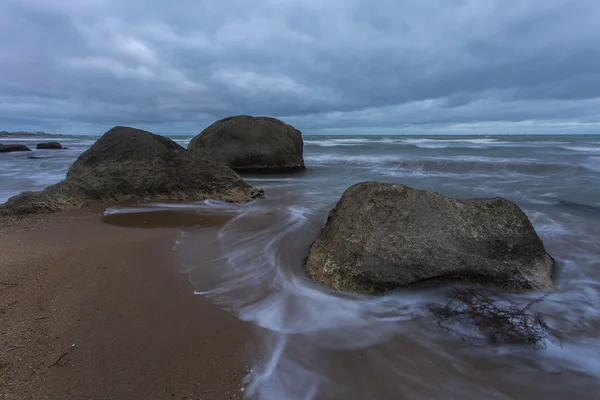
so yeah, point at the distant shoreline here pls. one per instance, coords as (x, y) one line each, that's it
(32, 134)
(5, 134)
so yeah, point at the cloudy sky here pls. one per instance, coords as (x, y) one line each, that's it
(325, 66)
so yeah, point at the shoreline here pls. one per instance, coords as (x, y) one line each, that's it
(90, 310)
(5, 134)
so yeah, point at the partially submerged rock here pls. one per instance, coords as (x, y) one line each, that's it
(128, 163)
(9, 148)
(49, 146)
(381, 237)
(247, 143)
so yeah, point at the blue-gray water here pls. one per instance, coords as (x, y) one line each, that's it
(315, 344)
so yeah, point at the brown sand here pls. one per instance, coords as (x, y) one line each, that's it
(96, 311)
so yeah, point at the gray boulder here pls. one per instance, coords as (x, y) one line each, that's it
(9, 148)
(49, 146)
(128, 163)
(381, 237)
(247, 143)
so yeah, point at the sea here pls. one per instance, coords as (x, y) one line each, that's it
(313, 343)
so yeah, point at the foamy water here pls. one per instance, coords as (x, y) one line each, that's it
(319, 344)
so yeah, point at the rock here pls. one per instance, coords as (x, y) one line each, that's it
(127, 163)
(381, 237)
(61, 196)
(9, 148)
(49, 146)
(247, 143)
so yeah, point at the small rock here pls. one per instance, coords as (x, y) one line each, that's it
(49, 146)
(9, 148)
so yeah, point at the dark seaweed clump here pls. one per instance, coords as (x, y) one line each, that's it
(478, 317)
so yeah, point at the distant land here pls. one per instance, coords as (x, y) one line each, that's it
(35, 134)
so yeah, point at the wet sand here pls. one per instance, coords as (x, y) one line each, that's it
(90, 310)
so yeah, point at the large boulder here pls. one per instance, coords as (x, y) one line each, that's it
(49, 146)
(381, 236)
(247, 143)
(9, 148)
(127, 163)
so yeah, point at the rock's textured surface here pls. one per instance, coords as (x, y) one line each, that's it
(247, 143)
(127, 163)
(381, 237)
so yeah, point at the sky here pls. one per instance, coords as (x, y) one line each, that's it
(324, 66)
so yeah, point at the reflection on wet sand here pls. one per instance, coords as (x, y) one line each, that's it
(166, 219)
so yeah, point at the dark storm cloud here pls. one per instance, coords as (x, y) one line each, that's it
(341, 65)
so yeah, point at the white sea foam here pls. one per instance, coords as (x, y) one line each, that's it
(350, 142)
(183, 142)
(460, 167)
(583, 149)
(326, 158)
(257, 274)
(419, 142)
(351, 159)
(206, 207)
(439, 143)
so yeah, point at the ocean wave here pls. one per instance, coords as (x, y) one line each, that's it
(583, 149)
(313, 342)
(475, 141)
(419, 142)
(449, 165)
(593, 165)
(358, 160)
(205, 207)
(182, 142)
(458, 143)
(428, 143)
(349, 142)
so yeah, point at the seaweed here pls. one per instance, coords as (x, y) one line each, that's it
(479, 317)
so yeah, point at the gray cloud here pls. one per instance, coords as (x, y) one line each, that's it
(82, 66)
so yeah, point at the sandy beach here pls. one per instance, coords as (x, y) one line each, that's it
(90, 310)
